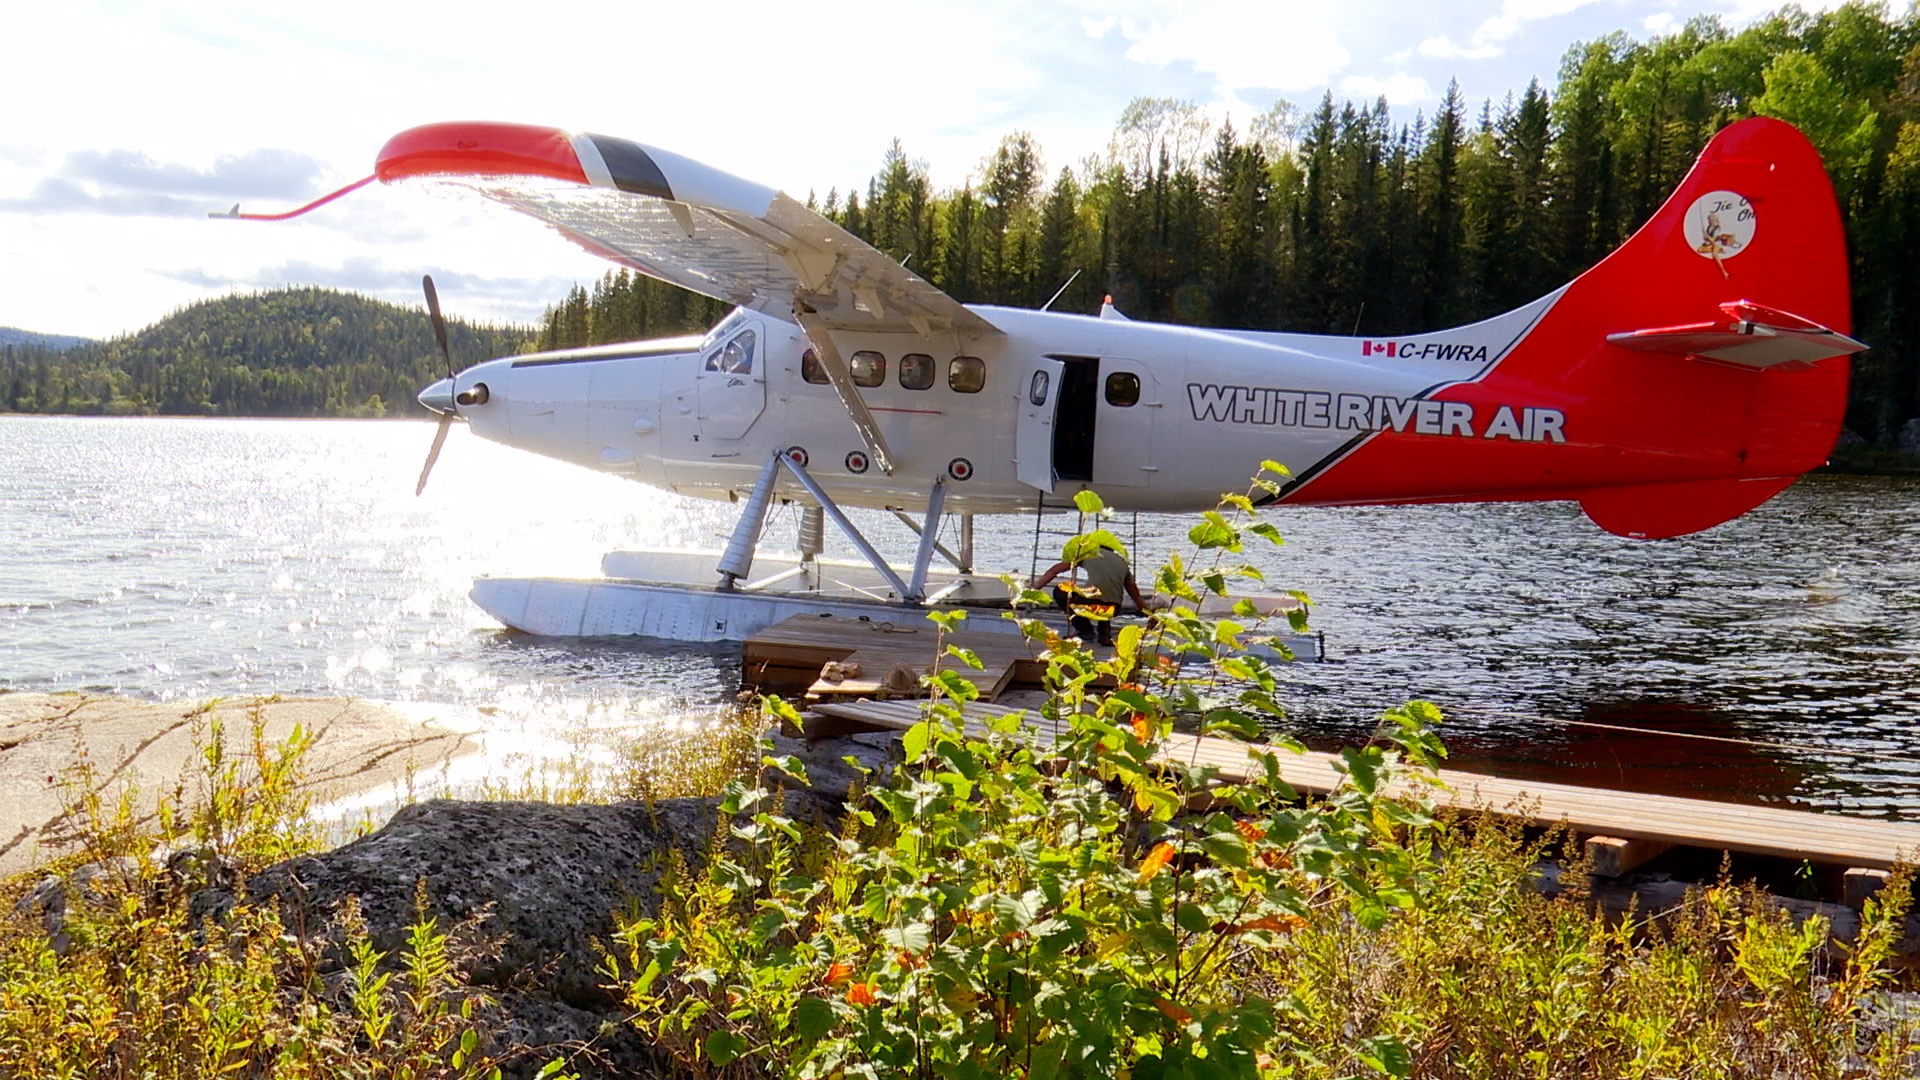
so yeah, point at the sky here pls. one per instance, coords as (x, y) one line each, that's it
(123, 123)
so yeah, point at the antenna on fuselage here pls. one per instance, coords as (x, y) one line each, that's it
(1056, 295)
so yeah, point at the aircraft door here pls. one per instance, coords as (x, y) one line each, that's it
(731, 385)
(1127, 405)
(1033, 438)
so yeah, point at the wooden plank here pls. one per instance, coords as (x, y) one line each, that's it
(1612, 856)
(1859, 884)
(1866, 843)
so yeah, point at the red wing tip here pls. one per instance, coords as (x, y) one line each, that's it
(479, 148)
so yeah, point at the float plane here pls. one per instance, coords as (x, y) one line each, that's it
(1684, 380)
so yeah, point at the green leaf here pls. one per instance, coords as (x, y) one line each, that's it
(724, 1046)
(1156, 799)
(1191, 919)
(1230, 720)
(1088, 502)
(955, 687)
(1363, 767)
(913, 937)
(915, 742)
(1387, 1056)
(965, 656)
(790, 765)
(1214, 532)
(812, 1018)
(948, 619)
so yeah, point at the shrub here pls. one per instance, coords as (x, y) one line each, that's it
(1074, 893)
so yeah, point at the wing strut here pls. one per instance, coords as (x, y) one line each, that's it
(835, 365)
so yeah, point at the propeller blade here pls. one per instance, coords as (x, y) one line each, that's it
(433, 455)
(439, 324)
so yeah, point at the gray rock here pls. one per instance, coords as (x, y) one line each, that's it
(93, 884)
(528, 890)
(1910, 436)
(830, 774)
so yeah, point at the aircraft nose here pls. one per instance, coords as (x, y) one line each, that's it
(438, 397)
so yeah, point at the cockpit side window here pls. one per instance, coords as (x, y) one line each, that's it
(736, 357)
(811, 370)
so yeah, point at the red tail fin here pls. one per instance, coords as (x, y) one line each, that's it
(1753, 226)
(1699, 408)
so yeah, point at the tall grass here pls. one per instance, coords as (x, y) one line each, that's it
(110, 975)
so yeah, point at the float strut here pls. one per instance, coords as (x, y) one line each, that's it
(929, 528)
(833, 512)
(736, 561)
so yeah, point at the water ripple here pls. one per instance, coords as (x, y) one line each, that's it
(186, 558)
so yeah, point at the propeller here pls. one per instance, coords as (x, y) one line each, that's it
(453, 408)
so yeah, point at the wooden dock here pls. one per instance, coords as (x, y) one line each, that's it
(1620, 827)
(890, 657)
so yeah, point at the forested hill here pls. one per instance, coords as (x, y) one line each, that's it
(295, 352)
(11, 336)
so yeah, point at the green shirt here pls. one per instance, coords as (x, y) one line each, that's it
(1103, 577)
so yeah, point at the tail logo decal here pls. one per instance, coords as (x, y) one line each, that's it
(1720, 225)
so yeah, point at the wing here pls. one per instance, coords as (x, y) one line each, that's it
(678, 220)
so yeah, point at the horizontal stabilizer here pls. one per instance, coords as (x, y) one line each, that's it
(1751, 336)
(1660, 511)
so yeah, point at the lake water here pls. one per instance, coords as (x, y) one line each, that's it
(169, 559)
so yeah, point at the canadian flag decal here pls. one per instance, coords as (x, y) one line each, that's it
(1385, 348)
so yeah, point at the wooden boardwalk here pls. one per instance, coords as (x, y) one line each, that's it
(1658, 819)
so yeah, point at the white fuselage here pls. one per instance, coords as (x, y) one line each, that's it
(1153, 416)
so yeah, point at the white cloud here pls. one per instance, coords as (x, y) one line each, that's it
(1400, 89)
(1242, 43)
(153, 107)
(1491, 36)
(1661, 23)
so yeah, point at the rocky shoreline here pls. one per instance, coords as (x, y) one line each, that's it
(48, 741)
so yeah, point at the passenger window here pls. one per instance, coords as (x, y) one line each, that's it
(916, 371)
(811, 370)
(869, 368)
(1037, 390)
(1123, 389)
(967, 374)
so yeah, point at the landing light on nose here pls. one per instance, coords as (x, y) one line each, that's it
(438, 397)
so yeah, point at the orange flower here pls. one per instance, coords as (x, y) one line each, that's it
(861, 994)
(906, 959)
(1156, 860)
(839, 972)
(1174, 1012)
(1251, 829)
(1142, 727)
(1279, 924)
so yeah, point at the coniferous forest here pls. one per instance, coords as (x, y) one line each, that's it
(1331, 218)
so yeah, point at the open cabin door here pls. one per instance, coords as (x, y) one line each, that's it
(1033, 437)
(1127, 409)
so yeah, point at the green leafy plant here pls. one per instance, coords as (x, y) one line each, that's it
(1026, 896)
